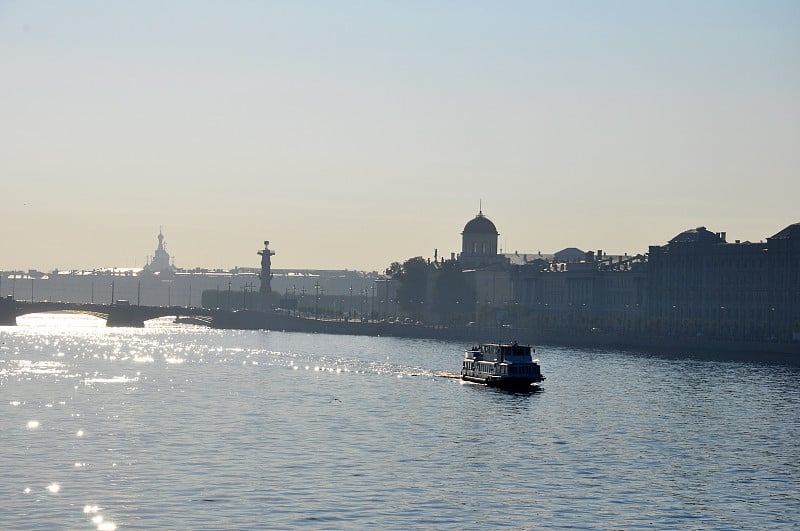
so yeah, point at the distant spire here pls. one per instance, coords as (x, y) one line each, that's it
(161, 260)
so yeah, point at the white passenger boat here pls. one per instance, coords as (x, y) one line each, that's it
(506, 365)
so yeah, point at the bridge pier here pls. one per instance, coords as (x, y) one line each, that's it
(125, 319)
(8, 312)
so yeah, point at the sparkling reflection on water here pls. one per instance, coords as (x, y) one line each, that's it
(188, 428)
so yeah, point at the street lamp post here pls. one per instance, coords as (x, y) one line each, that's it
(316, 299)
(303, 300)
(674, 320)
(773, 334)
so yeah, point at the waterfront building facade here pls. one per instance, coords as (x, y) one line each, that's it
(701, 285)
(697, 285)
(600, 293)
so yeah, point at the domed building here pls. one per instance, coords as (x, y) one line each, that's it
(479, 243)
(699, 235)
(161, 262)
(486, 270)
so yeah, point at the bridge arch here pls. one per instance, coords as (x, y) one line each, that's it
(114, 315)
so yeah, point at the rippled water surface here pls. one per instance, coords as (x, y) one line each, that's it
(188, 428)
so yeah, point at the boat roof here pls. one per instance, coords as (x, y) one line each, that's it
(506, 344)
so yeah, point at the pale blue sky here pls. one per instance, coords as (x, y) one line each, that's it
(354, 134)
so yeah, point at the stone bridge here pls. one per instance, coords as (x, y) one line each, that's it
(114, 314)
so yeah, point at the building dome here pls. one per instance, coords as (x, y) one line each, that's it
(479, 243)
(698, 235)
(480, 224)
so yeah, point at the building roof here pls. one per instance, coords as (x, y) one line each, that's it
(698, 235)
(526, 258)
(570, 254)
(480, 224)
(790, 232)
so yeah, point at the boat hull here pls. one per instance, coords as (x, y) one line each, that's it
(504, 383)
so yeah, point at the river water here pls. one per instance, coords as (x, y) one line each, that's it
(181, 427)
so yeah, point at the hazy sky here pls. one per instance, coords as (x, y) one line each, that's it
(354, 134)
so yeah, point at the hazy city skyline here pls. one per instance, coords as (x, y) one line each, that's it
(352, 135)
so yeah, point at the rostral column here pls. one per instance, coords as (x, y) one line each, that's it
(265, 291)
